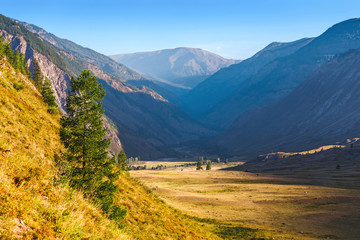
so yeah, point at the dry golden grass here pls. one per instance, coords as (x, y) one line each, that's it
(273, 206)
(33, 205)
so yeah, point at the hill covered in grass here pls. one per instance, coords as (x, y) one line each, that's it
(34, 204)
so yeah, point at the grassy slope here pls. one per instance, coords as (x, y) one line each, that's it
(32, 205)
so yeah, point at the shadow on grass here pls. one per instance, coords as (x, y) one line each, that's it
(237, 232)
(230, 231)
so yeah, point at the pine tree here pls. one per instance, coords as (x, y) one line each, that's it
(37, 77)
(48, 97)
(122, 161)
(2, 46)
(199, 165)
(8, 52)
(17, 63)
(208, 165)
(82, 133)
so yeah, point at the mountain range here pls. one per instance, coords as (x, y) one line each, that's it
(287, 97)
(323, 110)
(181, 67)
(239, 89)
(143, 121)
(204, 99)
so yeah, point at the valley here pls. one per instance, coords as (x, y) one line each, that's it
(99, 144)
(314, 202)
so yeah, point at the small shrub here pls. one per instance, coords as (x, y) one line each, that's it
(117, 214)
(53, 110)
(18, 86)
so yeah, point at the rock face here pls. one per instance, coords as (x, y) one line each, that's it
(78, 56)
(323, 110)
(184, 67)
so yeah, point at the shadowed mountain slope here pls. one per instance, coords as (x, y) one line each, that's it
(220, 86)
(323, 110)
(282, 76)
(222, 98)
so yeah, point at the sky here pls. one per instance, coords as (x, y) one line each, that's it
(231, 28)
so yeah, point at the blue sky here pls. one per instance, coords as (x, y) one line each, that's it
(231, 28)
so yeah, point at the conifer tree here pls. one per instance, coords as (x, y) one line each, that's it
(37, 77)
(208, 165)
(48, 96)
(17, 60)
(122, 161)
(8, 52)
(82, 133)
(2, 46)
(199, 165)
(26, 70)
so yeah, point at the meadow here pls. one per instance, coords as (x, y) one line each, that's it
(244, 205)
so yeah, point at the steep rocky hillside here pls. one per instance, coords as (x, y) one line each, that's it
(323, 110)
(183, 66)
(138, 135)
(79, 56)
(51, 64)
(34, 205)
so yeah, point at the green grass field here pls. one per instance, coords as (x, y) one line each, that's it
(243, 205)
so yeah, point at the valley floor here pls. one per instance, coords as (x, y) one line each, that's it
(244, 205)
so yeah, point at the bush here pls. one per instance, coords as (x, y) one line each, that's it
(53, 110)
(117, 214)
(18, 86)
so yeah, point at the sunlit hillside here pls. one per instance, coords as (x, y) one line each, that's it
(33, 204)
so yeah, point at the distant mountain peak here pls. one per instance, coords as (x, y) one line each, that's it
(183, 66)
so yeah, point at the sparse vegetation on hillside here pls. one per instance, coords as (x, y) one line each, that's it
(15, 58)
(17, 61)
(34, 203)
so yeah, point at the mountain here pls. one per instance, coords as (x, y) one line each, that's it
(322, 110)
(213, 91)
(184, 67)
(78, 57)
(138, 135)
(282, 76)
